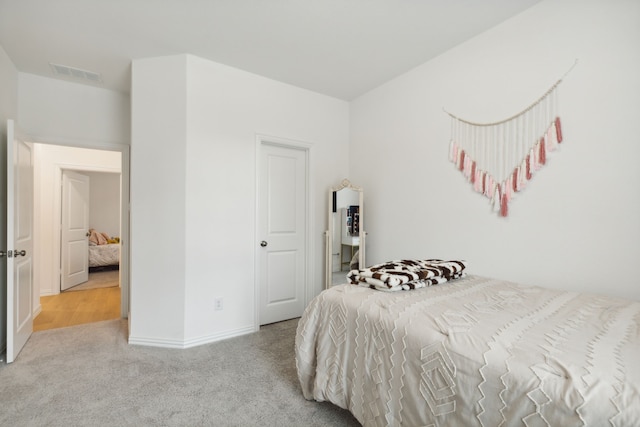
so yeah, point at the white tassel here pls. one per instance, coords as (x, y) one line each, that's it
(523, 174)
(551, 141)
(453, 150)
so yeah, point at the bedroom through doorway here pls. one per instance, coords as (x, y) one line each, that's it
(80, 276)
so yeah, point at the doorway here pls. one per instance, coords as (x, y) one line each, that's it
(90, 234)
(51, 161)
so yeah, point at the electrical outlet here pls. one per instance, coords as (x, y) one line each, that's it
(217, 304)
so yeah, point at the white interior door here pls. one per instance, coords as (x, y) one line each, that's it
(282, 216)
(19, 242)
(75, 229)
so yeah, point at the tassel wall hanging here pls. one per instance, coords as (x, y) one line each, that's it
(498, 159)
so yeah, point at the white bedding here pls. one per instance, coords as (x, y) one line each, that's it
(104, 255)
(472, 352)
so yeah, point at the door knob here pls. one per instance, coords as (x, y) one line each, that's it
(263, 244)
(19, 253)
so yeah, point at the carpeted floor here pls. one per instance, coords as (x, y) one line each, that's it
(88, 375)
(99, 279)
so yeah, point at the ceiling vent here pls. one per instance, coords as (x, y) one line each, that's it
(76, 73)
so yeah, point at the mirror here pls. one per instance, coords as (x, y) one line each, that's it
(345, 246)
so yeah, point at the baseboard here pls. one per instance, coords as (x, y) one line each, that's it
(48, 293)
(155, 342)
(192, 342)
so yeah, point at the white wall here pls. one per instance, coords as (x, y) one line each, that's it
(200, 188)
(104, 203)
(49, 161)
(158, 168)
(8, 91)
(59, 111)
(577, 224)
(8, 110)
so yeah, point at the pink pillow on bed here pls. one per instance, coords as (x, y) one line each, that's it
(97, 238)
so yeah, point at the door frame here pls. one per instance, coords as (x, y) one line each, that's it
(261, 140)
(125, 244)
(59, 169)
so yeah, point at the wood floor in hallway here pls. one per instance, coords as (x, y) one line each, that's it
(76, 308)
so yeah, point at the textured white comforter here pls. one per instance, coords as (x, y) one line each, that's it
(104, 255)
(473, 352)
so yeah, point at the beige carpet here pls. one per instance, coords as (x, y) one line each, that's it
(99, 279)
(88, 375)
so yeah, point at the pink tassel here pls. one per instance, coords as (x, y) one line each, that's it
(461, 165)
(543, 152)
(491, 188)
(504, 210)
(453, 150)
(506, 188)
(475, 179)
(455, 154)
(515, 180)
(558, 130)
(473, 172)
(501, 198)
(528, 160)
(484, 182)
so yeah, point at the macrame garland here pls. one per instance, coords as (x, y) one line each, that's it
(500, 158)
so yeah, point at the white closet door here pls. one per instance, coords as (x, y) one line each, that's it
(282, 227)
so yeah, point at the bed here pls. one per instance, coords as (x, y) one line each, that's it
(104, 250)
(472, 351)
(104, 255)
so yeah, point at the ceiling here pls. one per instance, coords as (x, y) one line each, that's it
(341, 48)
